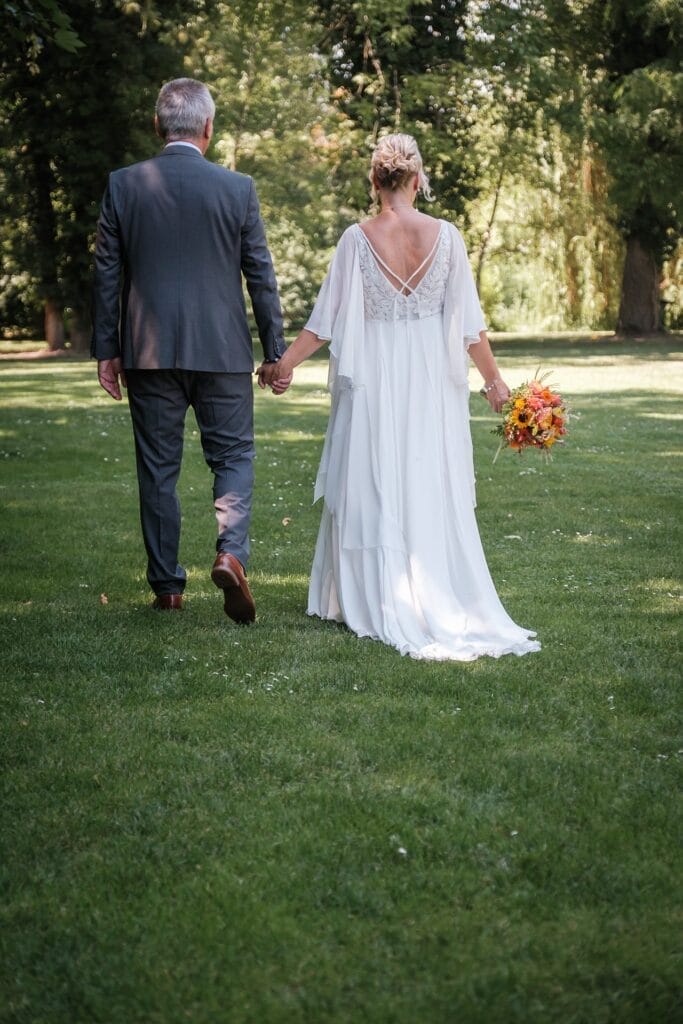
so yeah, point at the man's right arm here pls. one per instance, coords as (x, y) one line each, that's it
(257, 267)
(107, 284)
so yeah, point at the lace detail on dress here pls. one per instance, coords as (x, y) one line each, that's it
(382, 301)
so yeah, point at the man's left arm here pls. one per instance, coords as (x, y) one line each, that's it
(106, 346)
(107, 282)
(257, 267)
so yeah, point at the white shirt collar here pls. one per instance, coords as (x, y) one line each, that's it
(190, 144)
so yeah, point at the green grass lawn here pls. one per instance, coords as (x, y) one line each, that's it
(207, 823)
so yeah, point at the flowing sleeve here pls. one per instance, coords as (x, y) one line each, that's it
(338, 314)
(462, 315)
(473, 318)
(328, 305)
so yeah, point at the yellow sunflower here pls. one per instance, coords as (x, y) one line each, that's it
(520, 417)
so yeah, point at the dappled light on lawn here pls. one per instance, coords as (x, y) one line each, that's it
(269, 777)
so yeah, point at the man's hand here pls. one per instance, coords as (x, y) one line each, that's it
(109, 373)
(270, 375)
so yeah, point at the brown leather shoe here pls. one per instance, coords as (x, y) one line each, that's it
(228, 574)
(168, 603)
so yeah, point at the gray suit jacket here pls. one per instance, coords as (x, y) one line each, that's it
(175, 235)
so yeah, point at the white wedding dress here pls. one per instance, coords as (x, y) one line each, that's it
(398, 556)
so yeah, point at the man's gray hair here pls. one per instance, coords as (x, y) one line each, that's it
(182, 109)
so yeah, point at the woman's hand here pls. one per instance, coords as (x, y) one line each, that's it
(496, 393)
(495, 390)
(280, 383)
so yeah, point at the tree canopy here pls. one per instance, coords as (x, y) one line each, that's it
(550, 130)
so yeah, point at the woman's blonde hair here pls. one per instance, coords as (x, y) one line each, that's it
(395, 159)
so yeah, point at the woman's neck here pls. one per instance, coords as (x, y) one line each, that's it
(393, 202)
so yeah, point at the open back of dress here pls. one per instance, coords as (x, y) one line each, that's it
(412, 282)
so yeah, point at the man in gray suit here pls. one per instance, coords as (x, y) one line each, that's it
(174, 237)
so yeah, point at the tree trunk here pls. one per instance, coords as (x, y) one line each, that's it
(44, 224)
(80, 331)
(54, 325)
(640, 309)
(486, 234)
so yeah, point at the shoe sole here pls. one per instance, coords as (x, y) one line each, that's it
(235, 604)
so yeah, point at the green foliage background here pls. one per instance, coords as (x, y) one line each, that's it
(550, 131)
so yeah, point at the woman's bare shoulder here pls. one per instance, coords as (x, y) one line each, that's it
(379, 227)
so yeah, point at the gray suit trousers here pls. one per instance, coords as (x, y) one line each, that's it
(223, 404)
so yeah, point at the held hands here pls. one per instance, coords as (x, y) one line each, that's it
(274, 376)
(278, 376)
(111, 376)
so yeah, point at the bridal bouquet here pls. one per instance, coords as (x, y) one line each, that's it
(534, 416)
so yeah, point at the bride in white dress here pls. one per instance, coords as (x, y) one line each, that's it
(398, 556)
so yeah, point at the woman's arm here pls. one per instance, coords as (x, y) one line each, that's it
(497, 391)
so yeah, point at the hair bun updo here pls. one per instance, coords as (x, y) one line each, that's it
(395, 160)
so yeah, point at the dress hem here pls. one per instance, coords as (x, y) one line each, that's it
(439, 652)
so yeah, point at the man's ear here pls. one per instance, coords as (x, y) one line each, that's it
(156, 126)
(208, 129)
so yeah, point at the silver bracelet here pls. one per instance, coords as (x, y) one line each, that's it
(491, 386)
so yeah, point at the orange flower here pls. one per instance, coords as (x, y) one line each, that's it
(544, 418)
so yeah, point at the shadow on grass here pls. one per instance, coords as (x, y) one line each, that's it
(166, 772)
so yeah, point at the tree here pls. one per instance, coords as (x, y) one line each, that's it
(59, 139)
(606, 72)
(274, 121)
(398, 66)
(544, 251)
(638, 97)
(33, 21)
